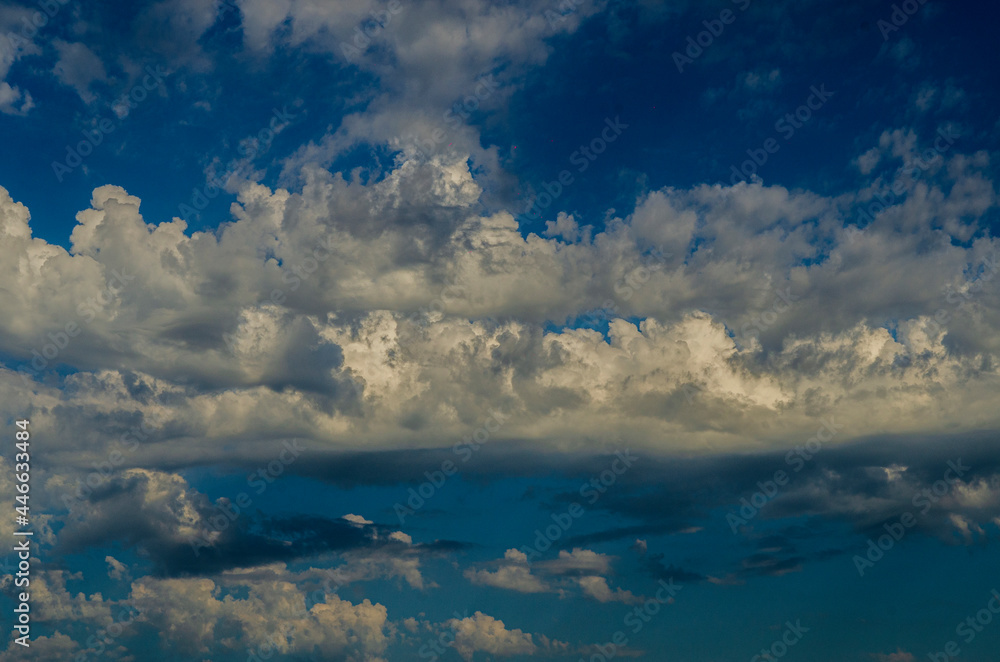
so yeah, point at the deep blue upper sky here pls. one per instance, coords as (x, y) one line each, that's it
(683, 128)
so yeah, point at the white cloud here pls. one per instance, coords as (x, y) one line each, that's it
(581, 568)
(357, 519)
(514, 577)
(578, 561)
(191, 614)
(483, 633)
(597, 588)
(401, 537)
(58, 646)
(387, 327)
(564, 226)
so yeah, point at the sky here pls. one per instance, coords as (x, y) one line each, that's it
(468, 331)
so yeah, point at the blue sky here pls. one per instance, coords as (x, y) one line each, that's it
(487, 327)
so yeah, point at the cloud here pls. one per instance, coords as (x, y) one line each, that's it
(15, 24)
(173, 28)
(564, 226)
(597, 588)
(401, 537)
(577, 562)
(357, 519)
(79, 68)
(320, 314)
(426, 56)
(14, 101)
(513, 575)
(191, 615)
(481, 632)
(58, 646)
(116, 569)
(373, 317)
(182, 533)
(581, 568)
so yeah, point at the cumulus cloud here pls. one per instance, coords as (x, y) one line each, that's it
(357, 519)
(348, 327)
(579, 568)
(401, 537)
(390, 316)
(482, 632)
(58, 646)
(513, 575)
(578, 561)
(193, 614)
(310, 314)
(597, 588)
